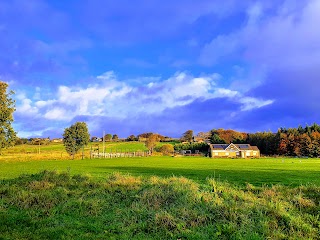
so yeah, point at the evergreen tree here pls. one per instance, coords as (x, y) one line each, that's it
(215, 138)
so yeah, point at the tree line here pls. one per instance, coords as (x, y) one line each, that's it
(301, 141)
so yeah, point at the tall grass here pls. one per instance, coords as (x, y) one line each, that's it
(52, 205)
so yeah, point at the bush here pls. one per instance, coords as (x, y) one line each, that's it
(167, 149)
(202, 147)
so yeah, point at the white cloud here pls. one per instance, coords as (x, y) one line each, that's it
(41, 104)
(249, 103)
(226, 93)
(108, 96)
(27, 134)
(57, 114)
(109, 75)
(25, 106)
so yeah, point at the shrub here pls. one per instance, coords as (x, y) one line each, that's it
(202, 147)
(167, 149)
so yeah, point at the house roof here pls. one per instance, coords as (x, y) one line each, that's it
(254, 148)
(219, 146)
(243, 146)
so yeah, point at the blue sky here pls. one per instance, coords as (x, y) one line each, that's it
(161, 66)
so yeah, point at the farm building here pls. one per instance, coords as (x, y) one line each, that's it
(233, 151)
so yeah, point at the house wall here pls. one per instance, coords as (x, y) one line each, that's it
(227, 154)
(222, 154)
(257, 155)
(253, 153)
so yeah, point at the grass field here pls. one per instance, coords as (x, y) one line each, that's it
(59, 148)
(56, 151)
(255, 171)
(156, 197)
(48, 205)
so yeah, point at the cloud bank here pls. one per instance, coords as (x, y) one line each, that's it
(111, 98)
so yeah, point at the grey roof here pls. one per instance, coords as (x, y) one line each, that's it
(240, 146)
(219, 146)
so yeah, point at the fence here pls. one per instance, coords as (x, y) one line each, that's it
(95, 153)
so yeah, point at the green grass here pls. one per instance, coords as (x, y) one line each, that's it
(58, 147)
(122, 146)
(156, 197)
(269, 171)
(50, 205)
(54, 147)
(56, 151)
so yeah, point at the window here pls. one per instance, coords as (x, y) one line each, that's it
(254, 153)
(247, 153)
(216, 154)
(227, 154)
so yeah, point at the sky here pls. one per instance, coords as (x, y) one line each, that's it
(128, 67)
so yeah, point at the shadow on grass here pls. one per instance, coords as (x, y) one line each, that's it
(258, 178)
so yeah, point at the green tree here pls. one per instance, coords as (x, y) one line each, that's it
(115, 137)
(152, 141)
(315, 136)
(108, 137)
(268, 142)
(7, 107)
(131, 138)
(75, 137)
(187, 136)
(215, 138)
(306, 147)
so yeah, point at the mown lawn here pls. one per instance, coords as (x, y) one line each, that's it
(264, 171)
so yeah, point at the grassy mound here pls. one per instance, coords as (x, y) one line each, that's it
(52, 205)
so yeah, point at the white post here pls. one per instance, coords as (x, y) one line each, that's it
(103, 144)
